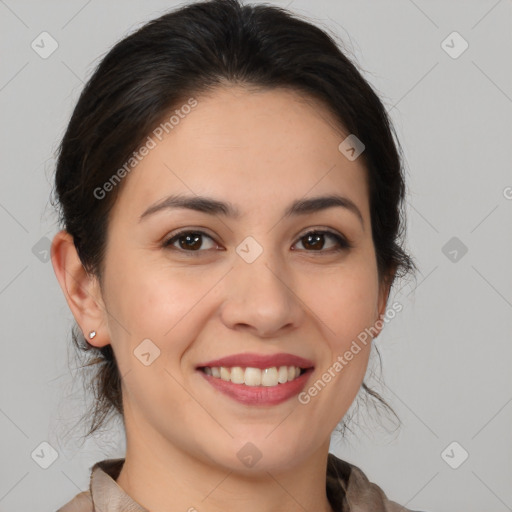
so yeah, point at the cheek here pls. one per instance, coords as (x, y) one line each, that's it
(166, 306)
(152, 304)
(160, 302)
(344, 301)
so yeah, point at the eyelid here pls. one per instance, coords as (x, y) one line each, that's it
(316, 229)
(324, 229)
(166, 242)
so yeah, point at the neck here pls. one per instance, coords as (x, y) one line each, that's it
(161, 477)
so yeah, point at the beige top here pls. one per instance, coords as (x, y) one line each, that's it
(348, 490)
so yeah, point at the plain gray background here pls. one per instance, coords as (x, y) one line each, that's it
(446, 356)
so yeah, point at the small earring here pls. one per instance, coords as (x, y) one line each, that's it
(92, 334)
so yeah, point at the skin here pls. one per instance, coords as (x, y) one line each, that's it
(259, 150)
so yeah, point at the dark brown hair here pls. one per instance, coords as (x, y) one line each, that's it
(193, 50)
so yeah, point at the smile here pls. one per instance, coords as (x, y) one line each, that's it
(270, 392)
(250, 376)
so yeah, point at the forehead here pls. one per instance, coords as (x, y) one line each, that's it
(251, 148)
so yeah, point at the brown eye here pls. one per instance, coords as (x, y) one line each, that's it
(189, 241)
(314, 241)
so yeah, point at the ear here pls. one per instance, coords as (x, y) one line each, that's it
(81, 289)
(384, 289)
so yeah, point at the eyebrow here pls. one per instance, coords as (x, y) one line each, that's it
(215, 207)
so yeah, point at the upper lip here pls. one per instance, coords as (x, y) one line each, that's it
(259, 361)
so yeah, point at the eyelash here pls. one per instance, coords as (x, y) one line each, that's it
(343, 243)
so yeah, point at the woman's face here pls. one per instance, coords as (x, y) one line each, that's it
(252, 284)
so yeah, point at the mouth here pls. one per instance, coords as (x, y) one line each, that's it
(253, 379)
(270, 391)
(250, 376)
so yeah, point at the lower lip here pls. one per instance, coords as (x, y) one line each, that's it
(259, 395)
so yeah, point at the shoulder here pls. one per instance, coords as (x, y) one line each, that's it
(102, 488)
(82, 502)
(360, 494)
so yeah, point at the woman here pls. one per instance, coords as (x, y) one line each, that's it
(230, 192)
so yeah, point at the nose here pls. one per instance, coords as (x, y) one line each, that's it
(259, 298)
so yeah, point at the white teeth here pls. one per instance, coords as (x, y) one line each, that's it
(269, 377)
(252, 377)
(282, 375)
(237, 375)
(255, 376)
